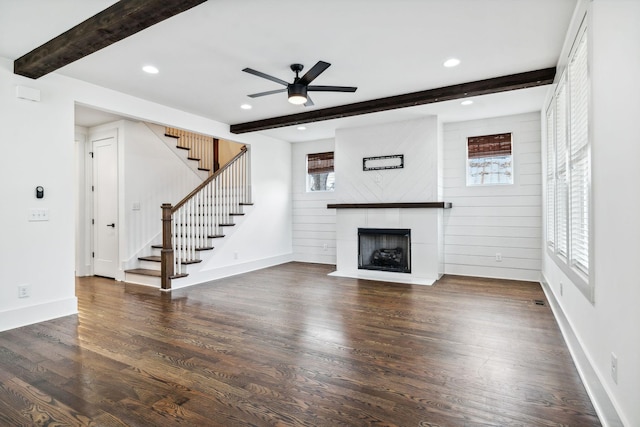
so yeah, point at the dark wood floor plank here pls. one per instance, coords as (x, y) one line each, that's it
(292, 346)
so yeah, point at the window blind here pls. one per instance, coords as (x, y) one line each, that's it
(550, 177)
(579, 156)
(320, 163)
(562, 187)
(489, 145)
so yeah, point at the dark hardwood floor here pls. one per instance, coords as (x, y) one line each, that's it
(291, 346)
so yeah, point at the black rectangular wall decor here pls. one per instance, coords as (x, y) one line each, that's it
(395, 161)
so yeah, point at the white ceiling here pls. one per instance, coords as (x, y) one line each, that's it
(383, 47)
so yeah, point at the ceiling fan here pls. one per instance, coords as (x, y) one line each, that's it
(297, 91)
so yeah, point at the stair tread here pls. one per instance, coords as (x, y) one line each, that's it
(144, 272)
(153, 273)
(237, 214)
(246, 204)
(204, 169)
(226, 225)
(155, 258)
(203, 248)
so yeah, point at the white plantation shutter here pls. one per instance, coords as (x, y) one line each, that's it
(579, 157)
(568, 169)
(562, 184)
(551, 181)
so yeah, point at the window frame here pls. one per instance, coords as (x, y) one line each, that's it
(468, 178)
(582, 277)
(330, 174)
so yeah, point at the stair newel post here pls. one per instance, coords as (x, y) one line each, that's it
(167, 264)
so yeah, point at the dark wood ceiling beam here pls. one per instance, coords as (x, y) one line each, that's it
(464, 90)
(113, 24)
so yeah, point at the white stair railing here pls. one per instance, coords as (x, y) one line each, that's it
(190, 224)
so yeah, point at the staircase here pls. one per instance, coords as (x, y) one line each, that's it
(191, 227)
(202, 148)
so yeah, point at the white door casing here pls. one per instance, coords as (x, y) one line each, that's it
(105, 204)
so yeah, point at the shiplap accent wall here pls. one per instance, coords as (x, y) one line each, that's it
(314, 226)
(486, 220)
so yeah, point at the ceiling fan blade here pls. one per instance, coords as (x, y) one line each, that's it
(269, 92)
(331, 88)
(314, 72)
(265, 76)
(309, 102)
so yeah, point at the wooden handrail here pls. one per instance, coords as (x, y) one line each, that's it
(208, 180)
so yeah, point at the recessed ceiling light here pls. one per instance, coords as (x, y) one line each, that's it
(150, 69)
(466, 102)
(246, 107)
(301, 128)
(451, 62)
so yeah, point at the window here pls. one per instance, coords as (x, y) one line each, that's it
(551, 178)
(562, 187)
(579, 159)
(568, 170)
(489, 160)
(320, 173)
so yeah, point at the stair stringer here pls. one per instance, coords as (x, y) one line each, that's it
(221, 261)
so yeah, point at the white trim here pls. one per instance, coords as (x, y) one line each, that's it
(596, 390)
(37, 313)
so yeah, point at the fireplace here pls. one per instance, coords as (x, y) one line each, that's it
(384, 249)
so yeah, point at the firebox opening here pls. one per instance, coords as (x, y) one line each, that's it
(384, 249)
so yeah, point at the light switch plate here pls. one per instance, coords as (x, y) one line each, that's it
(38, 214)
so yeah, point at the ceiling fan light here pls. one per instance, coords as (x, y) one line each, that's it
(297, 99)
(297, 93)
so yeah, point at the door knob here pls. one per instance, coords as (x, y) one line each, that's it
(113, 225)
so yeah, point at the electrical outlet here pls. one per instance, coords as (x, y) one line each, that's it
(498, 257)
(614, 368)
(23, 291)
(325, 247)
(236, 255)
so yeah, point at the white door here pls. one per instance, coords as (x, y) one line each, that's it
(105, 206)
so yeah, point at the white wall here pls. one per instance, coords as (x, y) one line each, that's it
(314, 226)
(38, 149)
(610, 324)
(486, 220)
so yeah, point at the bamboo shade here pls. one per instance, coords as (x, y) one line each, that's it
(320, 163)
(489, 145)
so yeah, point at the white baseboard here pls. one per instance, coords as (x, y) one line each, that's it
(595, 389)
(24, 316)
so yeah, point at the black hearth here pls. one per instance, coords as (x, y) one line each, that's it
(384, 249)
